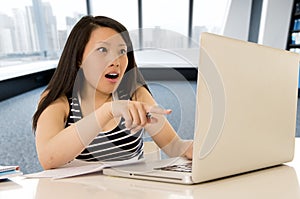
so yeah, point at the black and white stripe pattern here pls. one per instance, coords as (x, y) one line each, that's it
(115, 145)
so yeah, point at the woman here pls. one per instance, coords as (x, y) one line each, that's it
(96, 105)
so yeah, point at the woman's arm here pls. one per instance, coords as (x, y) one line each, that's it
(162, 132)
(57, 145)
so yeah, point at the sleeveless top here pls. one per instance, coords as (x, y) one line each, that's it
(114, 145)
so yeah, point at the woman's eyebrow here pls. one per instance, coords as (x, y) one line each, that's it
(109, 43)
(103, 42)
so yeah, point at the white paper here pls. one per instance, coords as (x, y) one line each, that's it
(78, 167)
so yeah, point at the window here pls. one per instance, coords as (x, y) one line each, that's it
(125, 12)
(61, 19)
(36, 29)
(209, 16)
(32, 30)
(165, 23)
(167, 14)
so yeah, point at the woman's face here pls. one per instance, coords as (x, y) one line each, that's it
(104, 60)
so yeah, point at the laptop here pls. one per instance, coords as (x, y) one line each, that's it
(284, 184)
(246, 102)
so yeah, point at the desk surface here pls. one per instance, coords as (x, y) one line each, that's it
(277, 182)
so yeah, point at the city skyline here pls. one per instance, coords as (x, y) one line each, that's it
(33, 31)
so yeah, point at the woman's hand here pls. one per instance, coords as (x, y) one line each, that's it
(189, 152)
(136, 114)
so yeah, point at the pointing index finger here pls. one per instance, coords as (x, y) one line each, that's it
(159, 110)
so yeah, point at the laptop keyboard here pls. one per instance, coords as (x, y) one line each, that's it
(187, 167)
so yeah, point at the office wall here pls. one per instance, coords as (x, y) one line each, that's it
(274, 23)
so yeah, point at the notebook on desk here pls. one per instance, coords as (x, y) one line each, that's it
(245, 120)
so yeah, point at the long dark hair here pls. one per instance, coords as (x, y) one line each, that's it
(63, 79)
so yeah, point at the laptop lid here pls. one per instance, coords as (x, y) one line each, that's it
(246, 107)
(246, 101)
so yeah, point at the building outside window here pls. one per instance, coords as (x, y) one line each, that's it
(32, 30)
(36, 30)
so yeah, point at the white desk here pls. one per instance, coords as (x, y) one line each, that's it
(277, 182)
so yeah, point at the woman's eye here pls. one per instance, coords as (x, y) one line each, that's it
(123, 51)
(102, 49)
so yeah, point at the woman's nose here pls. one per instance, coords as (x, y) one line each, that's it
(115, 62)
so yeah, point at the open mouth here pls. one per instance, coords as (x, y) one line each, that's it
(112, 75)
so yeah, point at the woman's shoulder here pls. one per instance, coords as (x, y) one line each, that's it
(61, 102)
(62, 99)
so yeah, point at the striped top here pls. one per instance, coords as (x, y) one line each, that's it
(115, 145)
